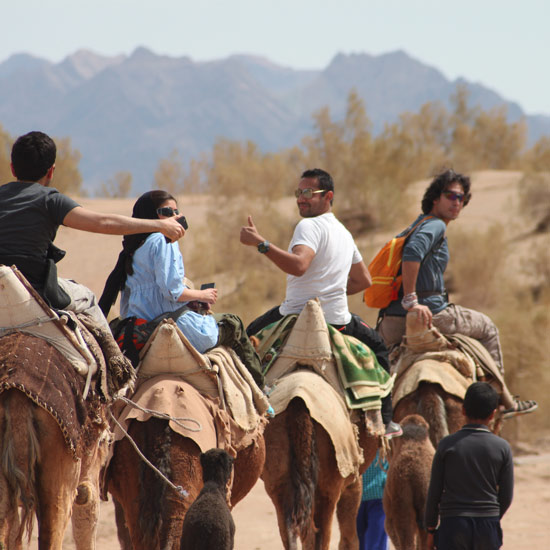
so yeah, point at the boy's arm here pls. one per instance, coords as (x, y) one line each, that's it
(506, 485)
(431, 515)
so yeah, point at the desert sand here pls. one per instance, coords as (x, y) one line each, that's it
(526, 527)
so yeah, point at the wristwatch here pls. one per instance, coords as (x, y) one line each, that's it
(263, 247)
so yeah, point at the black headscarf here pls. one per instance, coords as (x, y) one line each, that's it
(145, 208)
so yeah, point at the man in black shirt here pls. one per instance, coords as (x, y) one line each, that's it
(472, 480)
(30, 214)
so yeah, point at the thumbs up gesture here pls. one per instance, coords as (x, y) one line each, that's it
(250, 235)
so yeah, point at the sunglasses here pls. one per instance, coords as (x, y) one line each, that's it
(452, 196)
(307, 193)
(167, 211)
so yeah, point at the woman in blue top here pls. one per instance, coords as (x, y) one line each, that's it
(150, 276)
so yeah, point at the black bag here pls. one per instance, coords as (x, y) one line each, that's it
(132, 333)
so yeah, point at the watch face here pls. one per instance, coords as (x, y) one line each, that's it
(263, 247)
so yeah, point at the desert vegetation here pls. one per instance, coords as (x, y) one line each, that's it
(502, 268)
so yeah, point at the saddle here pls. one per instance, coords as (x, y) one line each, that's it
(425, 355)
(218, 374)
(306, 341)
(78, 339)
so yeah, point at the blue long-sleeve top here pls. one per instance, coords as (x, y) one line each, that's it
(156, 285)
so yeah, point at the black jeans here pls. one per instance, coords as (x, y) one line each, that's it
(356, 328)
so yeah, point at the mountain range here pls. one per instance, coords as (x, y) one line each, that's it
(125, 113)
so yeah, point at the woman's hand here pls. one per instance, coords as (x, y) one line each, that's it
(208, 295)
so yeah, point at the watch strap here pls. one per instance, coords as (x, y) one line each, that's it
(263, 247)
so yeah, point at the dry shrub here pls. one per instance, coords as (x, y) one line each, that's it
(535, 199)
(520, 310)
(477, 266)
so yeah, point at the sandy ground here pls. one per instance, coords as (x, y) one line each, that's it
(90, 258)
(526, 525)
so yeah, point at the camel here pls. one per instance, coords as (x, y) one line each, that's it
(208, 523)
(303, 479)
(41, 473)
(442, 410)
(432, 378)
(320, 441)
(407, 485)
(150, 512)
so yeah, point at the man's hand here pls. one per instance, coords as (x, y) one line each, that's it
(250, 235)
(171, 228)
(423, 314)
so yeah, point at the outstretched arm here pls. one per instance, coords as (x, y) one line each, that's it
(294, 263)
(114, 224)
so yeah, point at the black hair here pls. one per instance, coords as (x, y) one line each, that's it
(441, 183)
(324, 179)
(145, 208)
(480, 401)
(32, 155)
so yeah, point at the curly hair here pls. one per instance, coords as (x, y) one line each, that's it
(441, 183)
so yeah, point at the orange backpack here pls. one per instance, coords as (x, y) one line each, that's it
(384, 270)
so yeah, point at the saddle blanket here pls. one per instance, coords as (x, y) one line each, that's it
(32, 366)
(327, 408)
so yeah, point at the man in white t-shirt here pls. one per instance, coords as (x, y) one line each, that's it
(322, 262)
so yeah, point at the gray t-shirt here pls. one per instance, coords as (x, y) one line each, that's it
(428, 246)
(30, 215)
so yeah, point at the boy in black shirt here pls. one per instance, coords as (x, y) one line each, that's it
(472, 480)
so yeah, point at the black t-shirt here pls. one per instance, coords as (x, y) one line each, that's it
(30, 215)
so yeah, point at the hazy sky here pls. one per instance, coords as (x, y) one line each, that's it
(503, 44)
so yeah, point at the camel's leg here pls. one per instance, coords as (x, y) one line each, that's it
(247, 468)
(87, 502)
(280, 500)
(124, 486)
(276, 477)
(185, 471)
(325, 506)
(401, 524)
(57, 479)
(346, 512)
(122, 531)
(6, 513)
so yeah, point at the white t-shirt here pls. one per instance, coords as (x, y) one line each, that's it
(327, 276)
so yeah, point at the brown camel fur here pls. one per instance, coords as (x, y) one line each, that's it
(302, 479)
(407, 485)
(441, 410)
(149, 513)
(41, 476)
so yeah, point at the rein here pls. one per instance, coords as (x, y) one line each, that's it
(178, 488)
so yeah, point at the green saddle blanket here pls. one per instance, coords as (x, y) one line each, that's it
(363, 380)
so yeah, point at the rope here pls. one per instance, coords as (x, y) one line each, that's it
(178, 488)
(164, 416)
(33, 322)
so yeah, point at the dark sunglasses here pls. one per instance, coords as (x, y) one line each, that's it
(307, 193)
(452, 196)
(167, 211)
